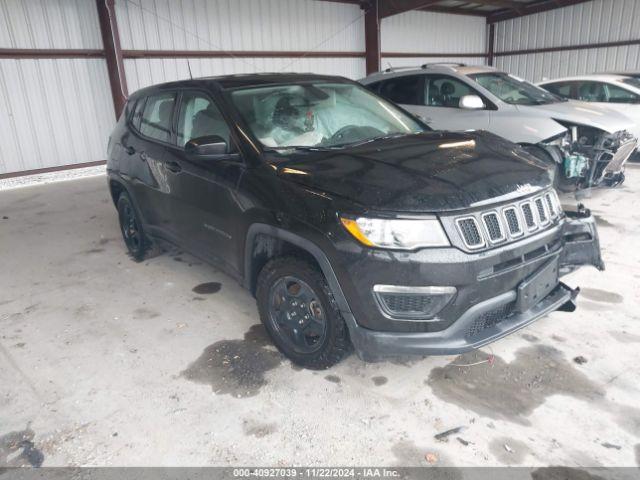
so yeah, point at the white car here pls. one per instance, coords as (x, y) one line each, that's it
(589, 144)
(619, 92)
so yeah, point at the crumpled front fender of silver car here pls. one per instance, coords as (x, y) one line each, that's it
(581, 242)
(590, 162)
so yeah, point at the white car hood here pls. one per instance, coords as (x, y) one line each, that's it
(583, 113)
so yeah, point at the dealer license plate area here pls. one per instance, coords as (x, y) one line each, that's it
(537, 286)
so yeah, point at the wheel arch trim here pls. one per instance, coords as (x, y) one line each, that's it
(123, 184)
(300, 242)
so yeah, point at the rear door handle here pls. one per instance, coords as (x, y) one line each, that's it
(174, 167)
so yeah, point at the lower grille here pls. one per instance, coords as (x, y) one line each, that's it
(403, 304)
(489, 319)
(412, 303)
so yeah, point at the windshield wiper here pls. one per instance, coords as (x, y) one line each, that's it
(373, 139)
(324, 148)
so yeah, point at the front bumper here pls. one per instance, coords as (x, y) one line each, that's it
(481, 324)
(487, 306)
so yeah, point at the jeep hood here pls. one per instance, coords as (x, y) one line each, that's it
(431, 172)
(582, 113)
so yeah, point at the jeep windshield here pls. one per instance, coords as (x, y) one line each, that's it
(319, 115)
(513, 90)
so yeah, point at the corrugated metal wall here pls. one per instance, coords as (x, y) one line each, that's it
(55, 112)
(433, 32)
(276, 25)
(597, 21)
(148, 71)
(52, 111)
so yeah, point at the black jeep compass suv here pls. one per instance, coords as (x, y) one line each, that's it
(348, 219)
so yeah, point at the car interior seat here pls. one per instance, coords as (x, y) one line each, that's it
(434, 95)
(591, 92)
(448, 90)
(209, 121)
(164, 118)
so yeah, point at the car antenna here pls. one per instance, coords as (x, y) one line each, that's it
(189, 67)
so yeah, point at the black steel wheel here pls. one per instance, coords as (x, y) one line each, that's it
(131, 228)
(298, 311)
(297, 314)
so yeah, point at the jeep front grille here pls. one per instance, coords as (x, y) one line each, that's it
(508, 222)
(513, 222)
(528, 215)
(493, 227)
(551, 206)
(542, 211)
(470, 232)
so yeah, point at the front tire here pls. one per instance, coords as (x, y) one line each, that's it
(299, 313)
(131, 228)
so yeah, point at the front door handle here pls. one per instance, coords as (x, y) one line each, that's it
(143, 156)
(174, 167)
(130, 150)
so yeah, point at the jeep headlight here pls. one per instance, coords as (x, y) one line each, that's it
(401, 234)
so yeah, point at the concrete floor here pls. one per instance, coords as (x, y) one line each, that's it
(104, 361)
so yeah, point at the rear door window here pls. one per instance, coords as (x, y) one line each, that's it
(157, 115)
(561, 88)
(136, 117)
(591, 92)
(405, 90)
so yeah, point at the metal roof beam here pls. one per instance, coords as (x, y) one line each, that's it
(531, 8)
(394, 7)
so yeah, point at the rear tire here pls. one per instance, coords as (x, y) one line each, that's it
(299, 313)
(131, 228)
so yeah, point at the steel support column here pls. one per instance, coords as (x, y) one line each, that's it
(372, 36)
(491, 45)
(113, 53)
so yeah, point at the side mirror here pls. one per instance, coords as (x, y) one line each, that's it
(208, 145)
(471, 102)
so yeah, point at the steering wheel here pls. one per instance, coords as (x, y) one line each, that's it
(344, 132)
(353, 133)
